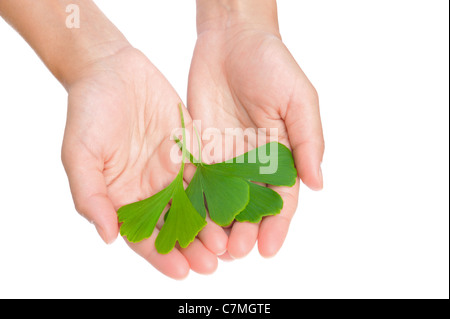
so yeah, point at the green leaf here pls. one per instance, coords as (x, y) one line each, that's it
(271, 163)
(264, 201)
(194, 191)
(140, 218)
(226, 196)
(228, 188)
(182, 224)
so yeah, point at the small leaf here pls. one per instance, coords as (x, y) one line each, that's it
(194, 191)
(140, 218)
(250, 165)
(264, 201)
(226, 195)
(182, 224)
(228, 188)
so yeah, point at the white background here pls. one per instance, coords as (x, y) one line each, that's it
(380, 228)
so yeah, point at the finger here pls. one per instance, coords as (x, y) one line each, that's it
(226, 257)
(304, 128)
(214, 237)
(273, 229)
(89, 193)
(242, 238)
(173, 264)
(200, 259)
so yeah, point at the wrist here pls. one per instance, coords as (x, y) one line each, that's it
(237, 15)
(64, 48)
(83, 54)
(74, 50)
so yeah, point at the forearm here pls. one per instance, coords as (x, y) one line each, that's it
(232, 14)
(65, 50)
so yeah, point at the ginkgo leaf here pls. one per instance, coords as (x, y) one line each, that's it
(182, 224)
(263, 201)
(194, 191)
(225, 195)
(271, 163)
(229, 192)
(140, 218)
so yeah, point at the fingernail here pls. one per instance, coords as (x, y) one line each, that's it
(103, 234)
(320, 176)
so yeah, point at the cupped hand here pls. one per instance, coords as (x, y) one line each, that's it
(244, 77)
(116, 150)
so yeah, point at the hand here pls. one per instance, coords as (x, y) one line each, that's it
(116, 150)
(120, 117)
(243, 76)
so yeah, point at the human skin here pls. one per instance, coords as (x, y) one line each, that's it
(121, 113)
(243, 76)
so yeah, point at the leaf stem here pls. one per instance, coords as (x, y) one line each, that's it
(192, 159)
(183, 126)
(199, 142)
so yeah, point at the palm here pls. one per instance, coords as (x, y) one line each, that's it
(249, 80)
(132, 127)
(249, 83)
(117, 143)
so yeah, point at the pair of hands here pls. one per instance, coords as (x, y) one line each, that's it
(122, 112)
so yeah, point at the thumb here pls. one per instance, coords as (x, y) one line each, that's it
(89, 192)
(304, 128)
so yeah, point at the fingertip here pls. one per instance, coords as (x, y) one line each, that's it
(218, 245)
(272, 234)
(90, 197)
(100, 211)
(200, 259)
(214, 238)
(320, 178)
(314, 183)
(239, 250)
(108, 235)
(180, 273)
(173, 265)
(242, 239)
(226, 257)
(309, 168)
